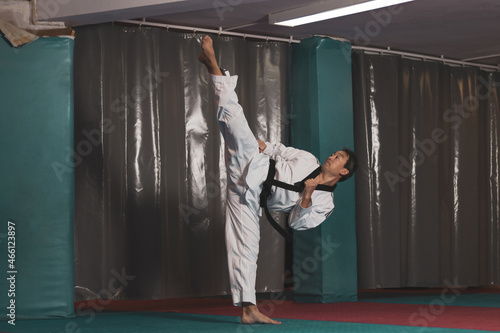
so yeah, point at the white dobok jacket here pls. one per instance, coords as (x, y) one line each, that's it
(292, 165)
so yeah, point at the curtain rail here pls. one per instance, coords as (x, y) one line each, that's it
(213, 31)
(425, 57)
(483, 57)
(291, 40)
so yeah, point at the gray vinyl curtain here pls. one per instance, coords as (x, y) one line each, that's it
(149, 161)
(427, 137)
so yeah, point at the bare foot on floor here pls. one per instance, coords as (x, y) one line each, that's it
(207, 56)
(252, 315)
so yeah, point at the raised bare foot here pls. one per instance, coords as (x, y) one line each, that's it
(252, 315)
(207, 56)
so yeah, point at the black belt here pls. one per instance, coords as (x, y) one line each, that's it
(297, 187)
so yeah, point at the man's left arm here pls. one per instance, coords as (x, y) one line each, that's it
(317, 210)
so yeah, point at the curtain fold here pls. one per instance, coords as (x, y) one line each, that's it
(427, 188)
(150, 178)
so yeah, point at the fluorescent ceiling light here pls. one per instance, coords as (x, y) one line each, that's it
(326, 10)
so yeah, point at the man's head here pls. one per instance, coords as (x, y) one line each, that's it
(351, 164)
(342, 163)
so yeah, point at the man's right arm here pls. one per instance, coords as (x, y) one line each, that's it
(275, 150)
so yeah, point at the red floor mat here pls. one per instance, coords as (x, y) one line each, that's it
(434, 315)
(430, 315)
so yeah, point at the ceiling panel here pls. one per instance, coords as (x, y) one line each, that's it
(455, 29)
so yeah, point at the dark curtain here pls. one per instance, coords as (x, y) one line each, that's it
(149, 161)
(427, 137)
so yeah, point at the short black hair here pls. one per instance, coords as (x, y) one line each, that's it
(351, 164)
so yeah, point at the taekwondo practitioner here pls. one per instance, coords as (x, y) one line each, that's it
(247, 163)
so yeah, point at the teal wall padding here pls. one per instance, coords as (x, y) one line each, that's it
(36, 191)
(322, 122)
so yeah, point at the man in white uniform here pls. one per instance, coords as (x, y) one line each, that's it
(247, 164)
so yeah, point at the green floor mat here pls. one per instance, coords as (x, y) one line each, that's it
(479, 300)
(152, 322)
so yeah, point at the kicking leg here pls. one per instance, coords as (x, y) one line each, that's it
(240, 144)
(207, 56)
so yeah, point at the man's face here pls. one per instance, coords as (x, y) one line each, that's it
(334, 165)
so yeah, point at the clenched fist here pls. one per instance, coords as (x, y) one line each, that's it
(310, 186)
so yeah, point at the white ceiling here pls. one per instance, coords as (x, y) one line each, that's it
(455, 29)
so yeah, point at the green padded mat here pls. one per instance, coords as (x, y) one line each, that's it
(479, 300)
(152, 322)
(36, 188)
